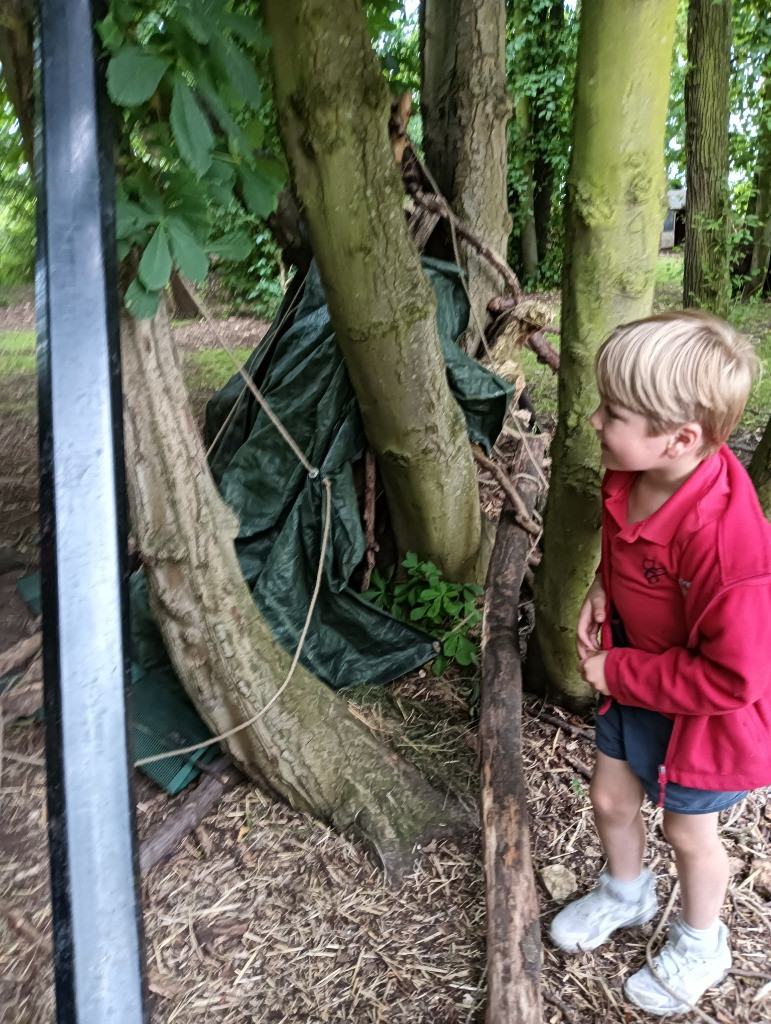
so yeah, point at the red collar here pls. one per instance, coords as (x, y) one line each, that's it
(699, 498)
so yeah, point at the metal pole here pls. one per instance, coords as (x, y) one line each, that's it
(96, 912)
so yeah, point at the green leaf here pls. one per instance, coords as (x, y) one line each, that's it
(428, 594)
(418, 612)
(133, 76)
(131, 217)
(466, 652)
(110, 33)
(240, 73)
(450, 644)
(141, 303)
(410, 560)
(155, 265)
(188, 253)
(190, 129)
(244, 27)
(260, 191)
(236, 245)
(439, 664)
(198, 27)
(436, 608)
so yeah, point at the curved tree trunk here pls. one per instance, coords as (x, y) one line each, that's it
(465, 110)
(306, 745)
(760, 470)
(333, 116)
(614, 213)
(706, 274)
(761, 240)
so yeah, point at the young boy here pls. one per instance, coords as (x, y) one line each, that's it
(682, 602)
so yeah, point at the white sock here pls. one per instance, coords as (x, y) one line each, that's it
(703, 939)
(630, 891)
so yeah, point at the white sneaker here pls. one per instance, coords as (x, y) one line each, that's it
(685, 969)
(590, 921)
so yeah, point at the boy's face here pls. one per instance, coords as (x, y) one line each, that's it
(626, 441)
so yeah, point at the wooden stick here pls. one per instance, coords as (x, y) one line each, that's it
(370, 478)
(20, 652)
(438, 204)
(513, 932)
(170, 833)
(520, 512)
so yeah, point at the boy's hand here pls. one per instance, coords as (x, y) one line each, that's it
(590, 618)
(593, 672)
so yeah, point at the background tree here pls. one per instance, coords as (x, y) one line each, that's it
(706, 279)
(614, 215)
(465, 110)
(761, 233)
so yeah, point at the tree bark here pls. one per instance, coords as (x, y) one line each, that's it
(706, 274)
(761, 240)
(527, 231)
(306, 745)
(465, 109)
(613, 216)
(333, 116)
(17, 59)
(543, 171)
(760, 470)
(513, 932)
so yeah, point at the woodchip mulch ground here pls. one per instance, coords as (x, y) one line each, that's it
(264, 914)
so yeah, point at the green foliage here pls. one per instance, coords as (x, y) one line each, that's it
(17, 201)
(541, 50)
(189, 79)
(251, 280)
(17, 352)
(449, 611)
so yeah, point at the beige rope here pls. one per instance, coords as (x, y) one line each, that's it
(256, 717)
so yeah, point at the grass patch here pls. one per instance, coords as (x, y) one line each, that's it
(207, 369)
(17, 352)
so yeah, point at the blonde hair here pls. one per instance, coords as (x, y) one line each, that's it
(686, 366)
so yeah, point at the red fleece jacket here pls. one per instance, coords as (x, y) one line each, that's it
(712, 538)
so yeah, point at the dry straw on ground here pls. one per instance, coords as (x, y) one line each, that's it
(266, 915)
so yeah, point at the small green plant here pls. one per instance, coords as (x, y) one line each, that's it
(449, 611)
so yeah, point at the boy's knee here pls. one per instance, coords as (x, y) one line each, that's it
(686, 836)
(610, 806)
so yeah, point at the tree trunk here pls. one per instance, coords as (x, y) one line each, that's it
(543, 172)
(17, 59)
(527, 232)
(761, 241)
(333, 116)
(306, 745)
(614, 213)
(465, 110)
(706, 275)
(760, 470)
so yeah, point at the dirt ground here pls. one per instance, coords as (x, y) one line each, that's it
(264, 914)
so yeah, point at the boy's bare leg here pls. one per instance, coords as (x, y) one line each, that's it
(617, 796)
(702, 865)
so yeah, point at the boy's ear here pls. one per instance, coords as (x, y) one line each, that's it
(685, 440)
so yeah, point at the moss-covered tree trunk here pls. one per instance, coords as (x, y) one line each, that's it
(761, 240)
(613, 217)
(466, 110)
(706, 273)
(333, 110)
(760, 470)
(306, 746)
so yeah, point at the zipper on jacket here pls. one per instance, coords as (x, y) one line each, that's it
(662, 783)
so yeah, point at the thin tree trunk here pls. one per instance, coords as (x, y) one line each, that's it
(615, 189)
(760, 470)
(306, 745)
(465, 110)
(333, 116)
(543, 172)
(706, 273)
(761, 241)
(527, 233)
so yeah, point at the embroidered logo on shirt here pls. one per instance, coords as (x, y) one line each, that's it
(685, 586)
(653, 571)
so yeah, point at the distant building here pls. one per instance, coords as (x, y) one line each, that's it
(673, 232)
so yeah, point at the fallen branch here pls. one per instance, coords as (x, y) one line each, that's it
(513, 932)
(370, 479)
(438, 205)
(170, 833)
(20, 653)
(521, 515)
(560, 723)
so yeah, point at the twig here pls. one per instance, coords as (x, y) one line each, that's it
(520, 512)
(20, 652)
(574, 730)
(370, 476)
(437, 204)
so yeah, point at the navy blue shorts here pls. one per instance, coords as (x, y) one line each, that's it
(641, 737)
